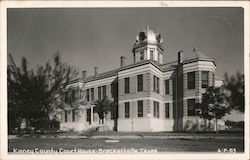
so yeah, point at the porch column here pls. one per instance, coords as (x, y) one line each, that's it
(91, 115)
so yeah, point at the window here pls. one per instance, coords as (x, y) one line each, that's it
(204, 79)
(191, 107)
(65, 116)
(140, 108)
(89, 116)
(92, 94)
(127, 112)
(140, 82)
(73, 116)
(213, 79)
(156, 109)
(167, 87)
(67, 97)
(167, 110)
(72, 95)
(156, 84)
(191, 80)
(112, 113)
(104, 91)
(112, 89)
(127, 85)
(152, 54)
(99, 93)
(88, 95)
(142, 55)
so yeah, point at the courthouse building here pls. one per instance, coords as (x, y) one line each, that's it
(148, 95)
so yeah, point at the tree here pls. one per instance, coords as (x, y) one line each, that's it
(36, 95)
(235, 91)
(213, 105)
(102, 107)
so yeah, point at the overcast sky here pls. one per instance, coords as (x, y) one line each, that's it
(98, 37)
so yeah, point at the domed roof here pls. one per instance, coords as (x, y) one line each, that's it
(148, 36)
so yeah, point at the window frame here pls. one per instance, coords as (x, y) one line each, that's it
(126, 85)
(92, 94)
(167, 110)
(191, 112)
(140, 108)
(126, 110)
(99, 93)
(140, 83)
(141, 53)
(167, 88)
(151, 54)
(156, 109)
(104, 91)
(88, 95)
(65, 116)
(73, 115)
(190, 81)
(156, 84)
(204, 80)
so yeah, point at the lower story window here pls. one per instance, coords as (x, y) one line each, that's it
(73, 116)
(156, 109)
(191, 107)
(127, 112)
(89, 116)
(167, 110)
(140, 108)
(65, 116)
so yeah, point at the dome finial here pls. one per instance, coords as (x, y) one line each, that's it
(195, 48)
(147, 27)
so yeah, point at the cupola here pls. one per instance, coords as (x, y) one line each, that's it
(148, 46)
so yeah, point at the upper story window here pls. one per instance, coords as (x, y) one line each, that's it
(213, 79)
(151, 54)
(87, 94)
(127, 85)
(112, 89)
(99, 93)
(156, 84)
(204, 79)
(167, 110)
(191, 80)
(70, 95)
(156, 109)
(127, 112)
(191, 107)
(167, 87)
(140, 108)
(140, 82)
(141, 55)
(104, 91)
(92, 94)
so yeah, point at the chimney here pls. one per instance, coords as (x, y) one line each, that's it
(180, 57)
(84, 75)
(122, 61)
(96, 69)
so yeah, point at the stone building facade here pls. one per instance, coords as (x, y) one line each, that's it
(148, 96)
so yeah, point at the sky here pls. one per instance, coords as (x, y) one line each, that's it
(89, 37)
